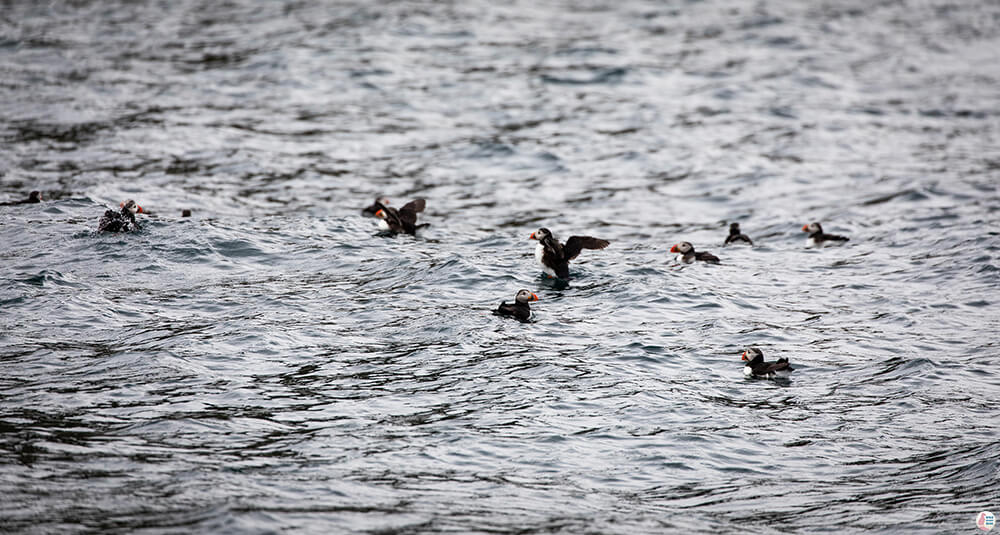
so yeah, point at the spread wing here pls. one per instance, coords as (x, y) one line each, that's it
(409, 210)
(575, 244)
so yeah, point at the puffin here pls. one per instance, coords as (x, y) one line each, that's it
(555, 258)
(519, 308)
(735, 236)
(121, 221)
(687, 255)
(817, 238)
(756, 367)
(34, 197)
(370, 210)
(403, 220)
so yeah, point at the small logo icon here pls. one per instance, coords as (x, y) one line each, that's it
(986, 521)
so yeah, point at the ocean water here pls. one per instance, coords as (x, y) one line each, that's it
(274, 364)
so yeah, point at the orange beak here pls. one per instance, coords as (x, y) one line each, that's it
(380, 213)
(745, 355)
(805, 228)
(138, 209)
(532, 237)
(674, 249)
(534, 297)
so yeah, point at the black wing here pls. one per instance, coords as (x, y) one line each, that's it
(408, 212)
(781, 364)
(575, 244)
(707, 257)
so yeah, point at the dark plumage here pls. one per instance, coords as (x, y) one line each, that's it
(736, 237)
(819, 238)
(554, 257)
(756, 367)
(379, 202)
(120, 221)
(403, 220)
(686, 254)
(519, 308)
(33, 198)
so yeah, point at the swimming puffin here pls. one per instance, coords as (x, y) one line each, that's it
(519, 309)
(756, 367)
(818, 238)
(402, 220)
(735, 236)
(687, 255)
(555, 258)
(379, 202)
(33, 198)
(121, 221)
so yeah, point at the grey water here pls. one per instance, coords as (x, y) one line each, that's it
(274, 364)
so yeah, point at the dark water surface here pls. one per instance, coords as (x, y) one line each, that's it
(271, 364)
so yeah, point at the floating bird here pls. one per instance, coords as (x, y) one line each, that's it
(379, 202)
(756, 367)
(33, 198)
(555, 258)
(519, 308)
(736, 237)
(403, 220)
(686, 254)
(817, 238)
(121, 221)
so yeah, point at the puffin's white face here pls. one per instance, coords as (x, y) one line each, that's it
(523, 296)
(682, 248)
(812, 228)
(541, 234)
(752, 353)
(131, 206)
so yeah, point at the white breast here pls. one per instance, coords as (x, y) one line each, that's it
(539, 254)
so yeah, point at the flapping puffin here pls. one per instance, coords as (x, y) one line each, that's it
(519, 308)
(403, 220)
(756, 367)
(735, 236)
(687, 255)
(818, 238)
(555, 258)
(122, 220)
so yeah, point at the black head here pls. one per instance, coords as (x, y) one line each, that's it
(524, 296)
(35, 196)
(541, 234)
(753, 354)
(734, 229)
(131, 207)
(812, 228)
(682, 248)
